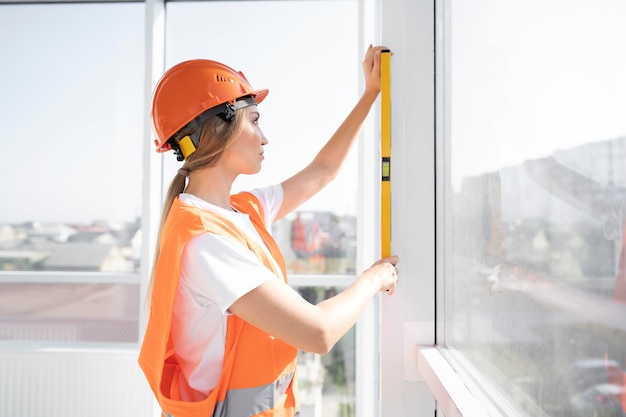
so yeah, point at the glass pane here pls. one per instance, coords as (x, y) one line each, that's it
(307, 54)
(317, 242)
(534, 285)
(71, 117)
(71, 113)
(68, 313)
(326, 382)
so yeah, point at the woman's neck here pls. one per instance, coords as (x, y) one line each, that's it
(210, 188)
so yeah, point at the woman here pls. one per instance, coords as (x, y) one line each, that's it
(223, 331)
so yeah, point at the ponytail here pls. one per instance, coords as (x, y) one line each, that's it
(176, 187)
(215, 137)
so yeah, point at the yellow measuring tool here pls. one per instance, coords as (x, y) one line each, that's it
(385, 153)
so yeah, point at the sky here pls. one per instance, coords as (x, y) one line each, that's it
(71, 108)
(532, 77)
(526, 79)
(313, 73)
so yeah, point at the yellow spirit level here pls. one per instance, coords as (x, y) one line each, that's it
(385, 152)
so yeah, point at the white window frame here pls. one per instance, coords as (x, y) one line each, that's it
(408, 318)
(419, 377)
(416, 377)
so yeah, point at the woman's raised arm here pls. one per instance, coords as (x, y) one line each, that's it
(326, 164)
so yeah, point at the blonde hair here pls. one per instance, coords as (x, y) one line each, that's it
(216, 136)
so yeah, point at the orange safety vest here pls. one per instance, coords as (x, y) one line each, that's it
(258, 376)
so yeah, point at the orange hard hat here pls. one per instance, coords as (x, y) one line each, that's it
(190, 88)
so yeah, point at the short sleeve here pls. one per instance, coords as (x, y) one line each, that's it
(271, 199)
(218, 269)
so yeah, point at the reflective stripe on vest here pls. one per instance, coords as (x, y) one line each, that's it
(259, 372)
(251, 401)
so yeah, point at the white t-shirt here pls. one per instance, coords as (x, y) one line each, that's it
(215, 272)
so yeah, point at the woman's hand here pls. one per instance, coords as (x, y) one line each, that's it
(385, 273)
(279, 310)
(371, 68)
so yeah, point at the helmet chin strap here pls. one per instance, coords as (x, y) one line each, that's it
(225, 111)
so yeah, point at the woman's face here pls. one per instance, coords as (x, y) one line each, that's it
(245, 154)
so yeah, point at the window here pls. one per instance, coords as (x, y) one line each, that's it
(313, 77)
(310, 61)
(72, 126)
(72, 123)
(532, 294)
(73, 112)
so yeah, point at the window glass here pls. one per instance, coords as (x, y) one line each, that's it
(71, 119)
(307, 54)
(71, 113)
(67, 313)
(534, 285)
(326, 382)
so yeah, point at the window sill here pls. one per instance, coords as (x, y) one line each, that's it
(452, 395)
